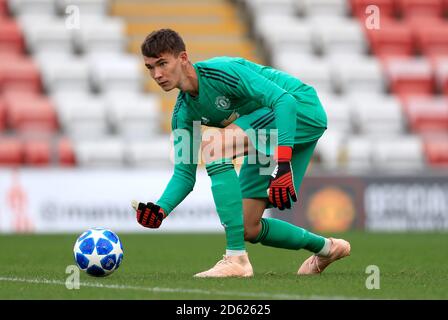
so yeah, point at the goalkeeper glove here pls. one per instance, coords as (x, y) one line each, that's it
(149, 215)
(281, 185)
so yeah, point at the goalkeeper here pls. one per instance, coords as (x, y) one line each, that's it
(241, 98)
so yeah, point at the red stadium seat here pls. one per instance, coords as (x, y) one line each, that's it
(37, 152)
(445, 85)
(11, 39)
(19, 73)
(436, 150)
(426, 114)
(431, 37)
(409, 76)
(359, 7)
(30, 112)
(3, 8)
(66, 154)
(2, 114)
(440, 65)
(407, 8)
(392, 39)
(11, 152)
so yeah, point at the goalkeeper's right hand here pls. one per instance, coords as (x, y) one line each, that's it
(149, 215)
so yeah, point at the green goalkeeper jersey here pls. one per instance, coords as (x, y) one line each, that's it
(230, 88)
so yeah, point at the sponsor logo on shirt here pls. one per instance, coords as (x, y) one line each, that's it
(235, 115)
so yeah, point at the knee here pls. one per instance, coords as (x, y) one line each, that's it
(251, 232)
(212, 146)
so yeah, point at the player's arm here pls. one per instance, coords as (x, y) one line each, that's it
(151, 215)
(244, 82)
(184, 176)
(186, 145)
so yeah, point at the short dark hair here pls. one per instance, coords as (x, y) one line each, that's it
(162, 41)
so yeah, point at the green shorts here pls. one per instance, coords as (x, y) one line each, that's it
(256, 169)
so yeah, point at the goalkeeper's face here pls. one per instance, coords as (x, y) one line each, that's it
(166, 70)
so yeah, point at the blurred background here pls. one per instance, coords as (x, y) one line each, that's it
(84, 130)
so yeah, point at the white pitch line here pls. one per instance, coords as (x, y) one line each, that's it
(263, 295)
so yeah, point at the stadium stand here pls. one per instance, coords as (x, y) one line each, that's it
(396, 155)
(357, 153)
(106, 152)
(436, 150)
(338, 112)
(335, 35)
(399, 154)
(19, 73)
(143, 153)
(99, 8)
(65, 152)
(395, 39)
(379, 115)
(81, 115)
(133, 115)
(37, 152)
(409, 76)
(284, 33)
(359, 8)
(2, 115)
(430, 35)
(427, 114)
(357, 73)
(11, 152)
(111, 72)
(45, 34)
(63, 72)
(100, 35)
(39, 7)
(312, 69)
(330, 149)
(30, 113)
(55, 80)
(11, 40)
(277, 7)
(368, 84)
(80, 96)
(3, 8)
(441, 67)
(367, 153)
(408, 8)
(209, 28)
(323, 8)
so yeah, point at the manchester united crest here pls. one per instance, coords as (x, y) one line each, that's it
(222, 103)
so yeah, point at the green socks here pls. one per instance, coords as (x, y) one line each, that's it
(281, 234)
(229, 205)
(228, 200)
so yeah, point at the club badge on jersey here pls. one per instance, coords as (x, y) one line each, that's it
(222, 103)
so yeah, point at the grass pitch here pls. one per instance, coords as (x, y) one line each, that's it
(161, 266)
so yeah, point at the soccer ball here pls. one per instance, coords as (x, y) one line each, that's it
(98, 252)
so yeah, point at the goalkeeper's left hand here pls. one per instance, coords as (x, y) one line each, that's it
(281, 185)
(149, 215)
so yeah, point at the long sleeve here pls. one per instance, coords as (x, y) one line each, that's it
(186, 143)
(245, 82)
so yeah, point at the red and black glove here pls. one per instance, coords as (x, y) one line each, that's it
(149, 215)
(281, 185)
